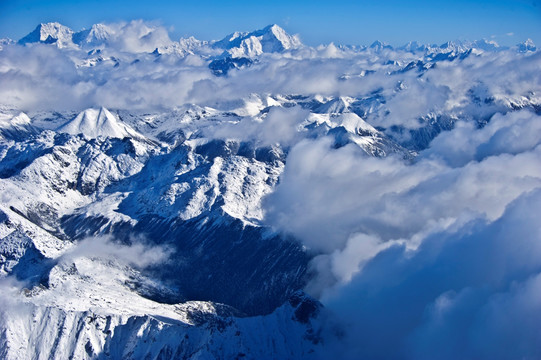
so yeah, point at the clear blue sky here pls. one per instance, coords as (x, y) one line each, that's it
(344, 22)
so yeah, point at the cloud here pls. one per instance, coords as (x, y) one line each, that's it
(137, 36)
(135, 254)
(280, 126)
(467, 293)
(513, 133)
(10, 288)
(325, 194)
(424, 258)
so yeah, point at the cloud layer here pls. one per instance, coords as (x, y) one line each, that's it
(117, 69)
(429, 257)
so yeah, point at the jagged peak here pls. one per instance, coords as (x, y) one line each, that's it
(49, 33)
(527, 46)
(271, 38)
(52, 27)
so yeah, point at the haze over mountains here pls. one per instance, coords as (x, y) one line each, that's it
(253, 197)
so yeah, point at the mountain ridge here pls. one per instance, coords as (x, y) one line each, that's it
(271, 38)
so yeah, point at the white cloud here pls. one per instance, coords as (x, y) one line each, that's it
(280, 126)
(414, 255)
(136, 254)
(472, 292)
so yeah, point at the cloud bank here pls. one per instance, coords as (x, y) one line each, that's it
(438, 256)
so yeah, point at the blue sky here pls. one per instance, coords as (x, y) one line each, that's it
(345, 22)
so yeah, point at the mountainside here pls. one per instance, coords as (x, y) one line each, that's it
(203, 199)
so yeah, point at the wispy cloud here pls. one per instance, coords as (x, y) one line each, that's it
(137, 254)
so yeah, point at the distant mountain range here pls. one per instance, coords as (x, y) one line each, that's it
(270, 39)
(236, 50)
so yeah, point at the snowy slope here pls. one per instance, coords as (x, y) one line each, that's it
(87, 308)
(97, 35)
(98, 122)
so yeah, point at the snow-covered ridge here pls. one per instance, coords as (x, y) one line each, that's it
(269, 39)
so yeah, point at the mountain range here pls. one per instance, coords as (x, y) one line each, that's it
(143, 230)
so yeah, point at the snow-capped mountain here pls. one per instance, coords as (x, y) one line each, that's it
(250, 44)
(271, 39)
(97, 35)
(95, 175)
(527, 46)
(50, 33)
(98, 122)
(379, 46)
(239, 44)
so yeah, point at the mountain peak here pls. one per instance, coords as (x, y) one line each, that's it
(380, 45)
(50, 33)
(98, 34)
(285, 40)
(527, 46)
(271, 38)
(98, 122)
(274, 29)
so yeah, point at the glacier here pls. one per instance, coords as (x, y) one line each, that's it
(243, 197)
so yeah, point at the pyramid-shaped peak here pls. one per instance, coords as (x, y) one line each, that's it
(101, 32)
(274, 38)
(98, 34)
(380, 45)
(275, 29)
(98, 122)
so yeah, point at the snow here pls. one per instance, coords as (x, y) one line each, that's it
(7, 121)
(270, 39)
(98, 35)
(50, 33)
(98, 122)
